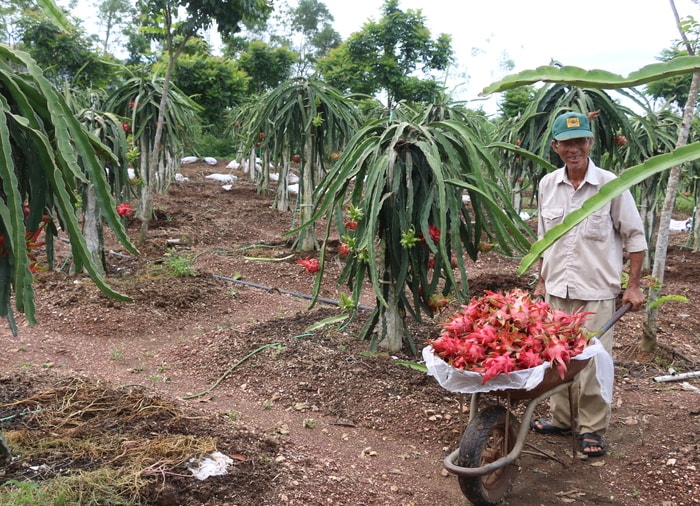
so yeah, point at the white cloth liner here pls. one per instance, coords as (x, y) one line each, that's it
(470, 382)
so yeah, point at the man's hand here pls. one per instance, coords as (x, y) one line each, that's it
(634, 296)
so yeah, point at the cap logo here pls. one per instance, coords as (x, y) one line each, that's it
(573, 123)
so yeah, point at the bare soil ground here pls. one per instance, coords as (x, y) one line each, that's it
(224, 360)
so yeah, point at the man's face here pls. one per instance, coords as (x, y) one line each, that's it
(574, 152)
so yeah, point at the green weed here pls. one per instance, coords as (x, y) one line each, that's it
(178, 264)
(16, 493)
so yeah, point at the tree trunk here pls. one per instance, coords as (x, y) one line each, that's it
(391, 325)
(252, 165)
(648, 213)
(307, 237)
(392, 329)
(649, 340)
(154, 166)
(93, 230)
(695, 229)
(282, 194)
(264, 183)
(517, 196)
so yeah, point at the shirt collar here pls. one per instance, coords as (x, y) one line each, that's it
(592, 175)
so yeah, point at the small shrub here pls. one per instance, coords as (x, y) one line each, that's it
(180, 265)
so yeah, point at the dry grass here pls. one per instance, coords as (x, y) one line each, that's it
(121, 440)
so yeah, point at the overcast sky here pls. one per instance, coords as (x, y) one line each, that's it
(615, 35)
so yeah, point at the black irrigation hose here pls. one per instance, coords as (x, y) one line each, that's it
(285, 292)
(254, 285)
(263, 287)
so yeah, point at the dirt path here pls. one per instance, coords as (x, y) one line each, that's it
(319, 420)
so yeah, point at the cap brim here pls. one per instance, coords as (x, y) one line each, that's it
(573, 134)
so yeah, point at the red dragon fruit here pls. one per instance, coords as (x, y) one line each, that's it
(503, 332)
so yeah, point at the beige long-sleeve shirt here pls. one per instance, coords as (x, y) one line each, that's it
(586, 263)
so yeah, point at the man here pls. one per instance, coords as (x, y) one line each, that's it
(583, 269)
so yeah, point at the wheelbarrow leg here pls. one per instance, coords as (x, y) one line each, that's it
(574, 422)
(474, 405)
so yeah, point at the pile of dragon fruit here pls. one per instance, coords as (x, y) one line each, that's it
(504, 332)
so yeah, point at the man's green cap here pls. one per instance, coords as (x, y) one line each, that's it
(571, 125)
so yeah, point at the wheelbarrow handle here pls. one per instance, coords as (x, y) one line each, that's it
(618, 314)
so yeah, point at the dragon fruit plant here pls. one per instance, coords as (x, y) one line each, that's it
(504, 332)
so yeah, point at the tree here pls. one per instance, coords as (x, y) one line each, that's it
(139, 100)
(384, 56)
(308, 118)
(113, 15)
(405, 222)
(267, 66)
(516, 101)
(217, 84)
(10, 12)
(65, 55)
(673, 90)
(649, 342)
(313, 21)
(111, 130)
(43, 148)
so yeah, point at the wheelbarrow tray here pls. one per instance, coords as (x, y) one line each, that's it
(520, 384)
(551, 380)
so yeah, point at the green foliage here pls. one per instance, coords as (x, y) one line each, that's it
(576, 76)
(667, 298)
(114, 15)
(139, 100)
(516, 101)
(179, 265)
(675, 89)
(303, 116)
(213, 144)
(312, 20)
(213, 82)
(228, 14)
(16, 493)
(684, 204)
(384, 55)
(45, 152)
(267, 66)
(111, 130)
(406, 176)
(65, 55)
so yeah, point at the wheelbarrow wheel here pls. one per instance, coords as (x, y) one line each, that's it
(483, 442)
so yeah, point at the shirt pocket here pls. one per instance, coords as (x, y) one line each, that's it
(598, 226)
(552, 216)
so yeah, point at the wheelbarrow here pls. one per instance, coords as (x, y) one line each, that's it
(485, 462)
